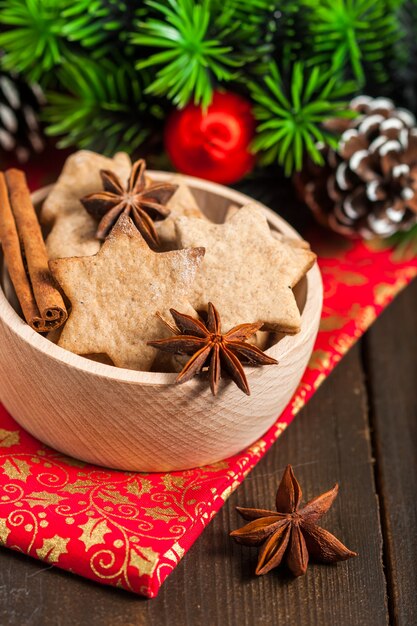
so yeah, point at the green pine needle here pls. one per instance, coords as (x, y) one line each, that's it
(250, 15)
(403, 85)
(41, 34)
(290, 117)
(189, 47)
(356, 33)
(96, 24)
(102, 108)
(32, 42)
(195, 43)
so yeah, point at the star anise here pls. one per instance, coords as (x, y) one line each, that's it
(143, 203)
(209, 347)
(291, 533)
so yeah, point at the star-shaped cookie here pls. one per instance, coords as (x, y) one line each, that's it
(116, 294)
(300, 258)
(246, 272)
(181, 203)
(72, 229)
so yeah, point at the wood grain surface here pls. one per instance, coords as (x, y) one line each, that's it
(390, 351)
(359, 429)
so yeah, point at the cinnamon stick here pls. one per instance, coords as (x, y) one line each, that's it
(12, 255)
(26, 257)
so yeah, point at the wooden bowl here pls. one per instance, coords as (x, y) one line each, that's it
(142, 421)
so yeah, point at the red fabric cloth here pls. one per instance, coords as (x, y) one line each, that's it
(131, 530)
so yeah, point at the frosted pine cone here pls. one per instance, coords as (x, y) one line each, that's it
(368, 186)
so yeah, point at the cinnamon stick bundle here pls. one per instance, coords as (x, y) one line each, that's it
(26, 257)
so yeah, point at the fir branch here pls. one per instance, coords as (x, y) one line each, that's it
(42, 34)
(404, 62)
(251, 14)
(291, 114)
(291, 38)
(98, 25)
(198, 42)
(33, 43)
(189, 55)
(249, 27)
(356, 34)
(103, 108)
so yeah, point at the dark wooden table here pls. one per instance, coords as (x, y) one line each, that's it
(360, 430)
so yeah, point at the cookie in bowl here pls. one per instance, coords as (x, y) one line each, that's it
(191, 314)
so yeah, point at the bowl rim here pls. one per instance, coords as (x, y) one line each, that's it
(19, 327)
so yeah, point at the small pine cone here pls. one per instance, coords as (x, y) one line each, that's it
(20, 104)
(368, 185)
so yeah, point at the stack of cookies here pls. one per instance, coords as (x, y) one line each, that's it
(130, 254)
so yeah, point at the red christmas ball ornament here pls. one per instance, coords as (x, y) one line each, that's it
(213, 144)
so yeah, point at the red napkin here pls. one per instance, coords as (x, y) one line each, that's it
(130, 530)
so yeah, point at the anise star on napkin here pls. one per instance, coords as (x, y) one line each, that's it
(141, 201)
(208, 346)
(290, 534)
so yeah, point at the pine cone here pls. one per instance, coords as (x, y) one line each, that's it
(19, 107)
(368, 186)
